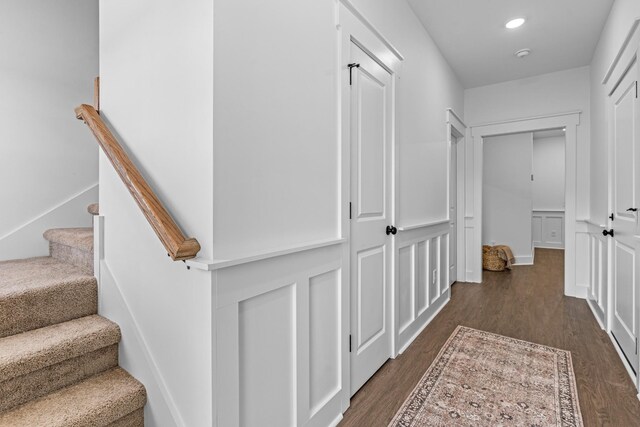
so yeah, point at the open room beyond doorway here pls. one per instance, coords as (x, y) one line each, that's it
(523, 192)
(567, 121)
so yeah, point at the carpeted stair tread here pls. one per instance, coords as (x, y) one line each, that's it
(93, 209)
(97, 401)
(37, 292)
(80, 238)
(33, 350)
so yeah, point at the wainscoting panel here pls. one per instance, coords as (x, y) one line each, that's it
(591, 268)
(280, 340)
(548, 229)
(422, 275)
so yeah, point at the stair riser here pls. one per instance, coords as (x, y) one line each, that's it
(19, 390)
(48, 306)
(134, 419)
(71, 255)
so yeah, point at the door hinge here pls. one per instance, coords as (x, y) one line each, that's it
(612, 217)
(349, 343)
(351, 67)
(531, 177)
(349, 210)
(636, 89)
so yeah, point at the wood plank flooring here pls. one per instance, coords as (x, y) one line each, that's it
(526, 303)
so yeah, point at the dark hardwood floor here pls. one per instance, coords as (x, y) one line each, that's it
(526, 303)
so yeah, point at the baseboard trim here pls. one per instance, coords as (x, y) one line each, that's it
(623, 359)
(336, 421)
(593, 311)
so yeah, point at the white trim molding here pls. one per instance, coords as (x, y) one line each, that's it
(456, 126)
(351, 8)
(570, 121)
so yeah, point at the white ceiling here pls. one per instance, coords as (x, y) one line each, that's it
(561, 34)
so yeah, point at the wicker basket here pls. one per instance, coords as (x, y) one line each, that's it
(491, 259)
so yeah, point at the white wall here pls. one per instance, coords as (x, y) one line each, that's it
(560, 92)
(48, 62)
(507, 194)
(275, 117)
(156, 69)
(275, 120)
(621, 17)
(548, 172)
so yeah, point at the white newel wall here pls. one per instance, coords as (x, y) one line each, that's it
(48, 172)
(156, 69)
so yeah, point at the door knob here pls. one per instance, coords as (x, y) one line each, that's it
(632, 210)
(391, 230)
(607, 232)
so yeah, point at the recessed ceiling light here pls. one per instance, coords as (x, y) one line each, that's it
(515, 23)
(522, 53)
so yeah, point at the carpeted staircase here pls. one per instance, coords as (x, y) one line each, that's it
(58, 358)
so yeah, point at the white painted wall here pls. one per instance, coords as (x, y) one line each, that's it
(276, 125)
(563, 91)
(156, 68)
(622, 15)
(275, 118)
(507, 194)
(49, 58)
(548, 172)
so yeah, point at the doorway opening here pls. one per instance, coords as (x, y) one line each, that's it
(524, 193)
(474, 209)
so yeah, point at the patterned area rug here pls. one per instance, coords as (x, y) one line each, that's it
(484, 379)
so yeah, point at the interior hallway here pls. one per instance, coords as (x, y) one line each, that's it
(528, 304)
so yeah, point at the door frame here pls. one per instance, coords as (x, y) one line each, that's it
(457, 126)
(473, 234)
(352, 26)
(617, 71)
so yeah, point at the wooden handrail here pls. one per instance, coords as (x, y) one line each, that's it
(178, 246)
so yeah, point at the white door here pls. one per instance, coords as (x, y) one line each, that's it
(453, 211)
(371, 127)
(625, 202)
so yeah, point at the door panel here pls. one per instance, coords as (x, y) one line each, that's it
(370, 121)
(371, 285)
(624, 198)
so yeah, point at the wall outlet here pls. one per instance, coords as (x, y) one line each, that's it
(554, 233)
